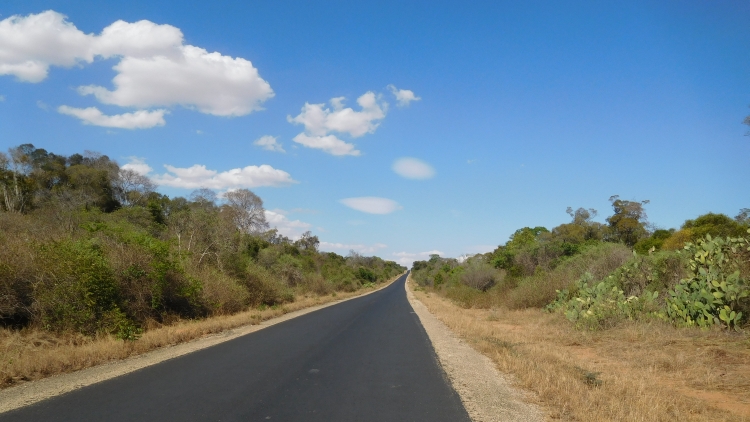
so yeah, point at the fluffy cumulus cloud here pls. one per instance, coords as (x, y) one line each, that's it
(30, 45)
(330, 144)
(403, 96)
(412, 168)
(155, 68)
(193, 78)
(365, 249)
(269, 143)
(321, 122)
(141, 119)
(372, 204)
(138, 165)
(198, 176)
(290, 228)
(407, 258)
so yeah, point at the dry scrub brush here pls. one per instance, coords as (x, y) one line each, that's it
(648, 372)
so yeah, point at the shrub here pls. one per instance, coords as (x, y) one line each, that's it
(658, 271)
(538, 291)
(601, 304)
(480, 275)
(316, 284)
(678, 240)
(366, 275)
(715, 292)
(222, 294)
(264, 288)
(76, 289)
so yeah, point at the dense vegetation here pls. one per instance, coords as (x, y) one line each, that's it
(600, 273)
(89, 247)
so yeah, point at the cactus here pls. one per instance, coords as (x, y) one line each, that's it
(596, 304)
(714, 291)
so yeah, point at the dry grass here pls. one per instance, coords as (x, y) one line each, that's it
(34, 354)
(633, 372)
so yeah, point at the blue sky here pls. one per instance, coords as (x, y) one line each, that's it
(519, 110)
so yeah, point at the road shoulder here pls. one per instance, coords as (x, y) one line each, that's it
(487, 395)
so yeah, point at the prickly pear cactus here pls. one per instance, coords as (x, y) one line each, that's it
(715, 290)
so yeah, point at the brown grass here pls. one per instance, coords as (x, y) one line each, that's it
(633, 372)
(32, 354)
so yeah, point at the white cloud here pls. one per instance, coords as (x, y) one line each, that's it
(269, 143)
(413, 168)
(30, 45)
(330, 144)
(403, 96)
(407, 258)
(194, 78)
(141, 119)
(2, 98)
(289, 228)
(138, 39)
(198, 176)
(41, 104)
(155, 69)
(138, 165)
(365, 249)
(320, 122)
(372, 205)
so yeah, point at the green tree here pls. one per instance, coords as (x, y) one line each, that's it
(628, 224)
(717, 225)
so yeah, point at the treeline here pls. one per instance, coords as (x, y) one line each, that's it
(89, 247)
(601, 273)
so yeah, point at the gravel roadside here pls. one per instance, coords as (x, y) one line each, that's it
(486, 394)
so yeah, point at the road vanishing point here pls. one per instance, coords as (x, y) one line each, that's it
(365, 359)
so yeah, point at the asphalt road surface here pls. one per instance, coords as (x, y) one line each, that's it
(366, 359)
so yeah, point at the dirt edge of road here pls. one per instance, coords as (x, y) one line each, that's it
(35, 391)
(487, 395)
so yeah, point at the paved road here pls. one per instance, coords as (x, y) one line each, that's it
(367, 359)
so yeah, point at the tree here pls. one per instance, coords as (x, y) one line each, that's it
(715, 225)
(628, 224)
(247, 211)
(308, 242)
(744, 216)
(580, 229)
(16, 181)
(525, 237)
(204, 197)
(132, 188)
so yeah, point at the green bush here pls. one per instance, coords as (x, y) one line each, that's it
(715, 292)
(590, 304)
(539, 290)
(479, 275)
(76, 289)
